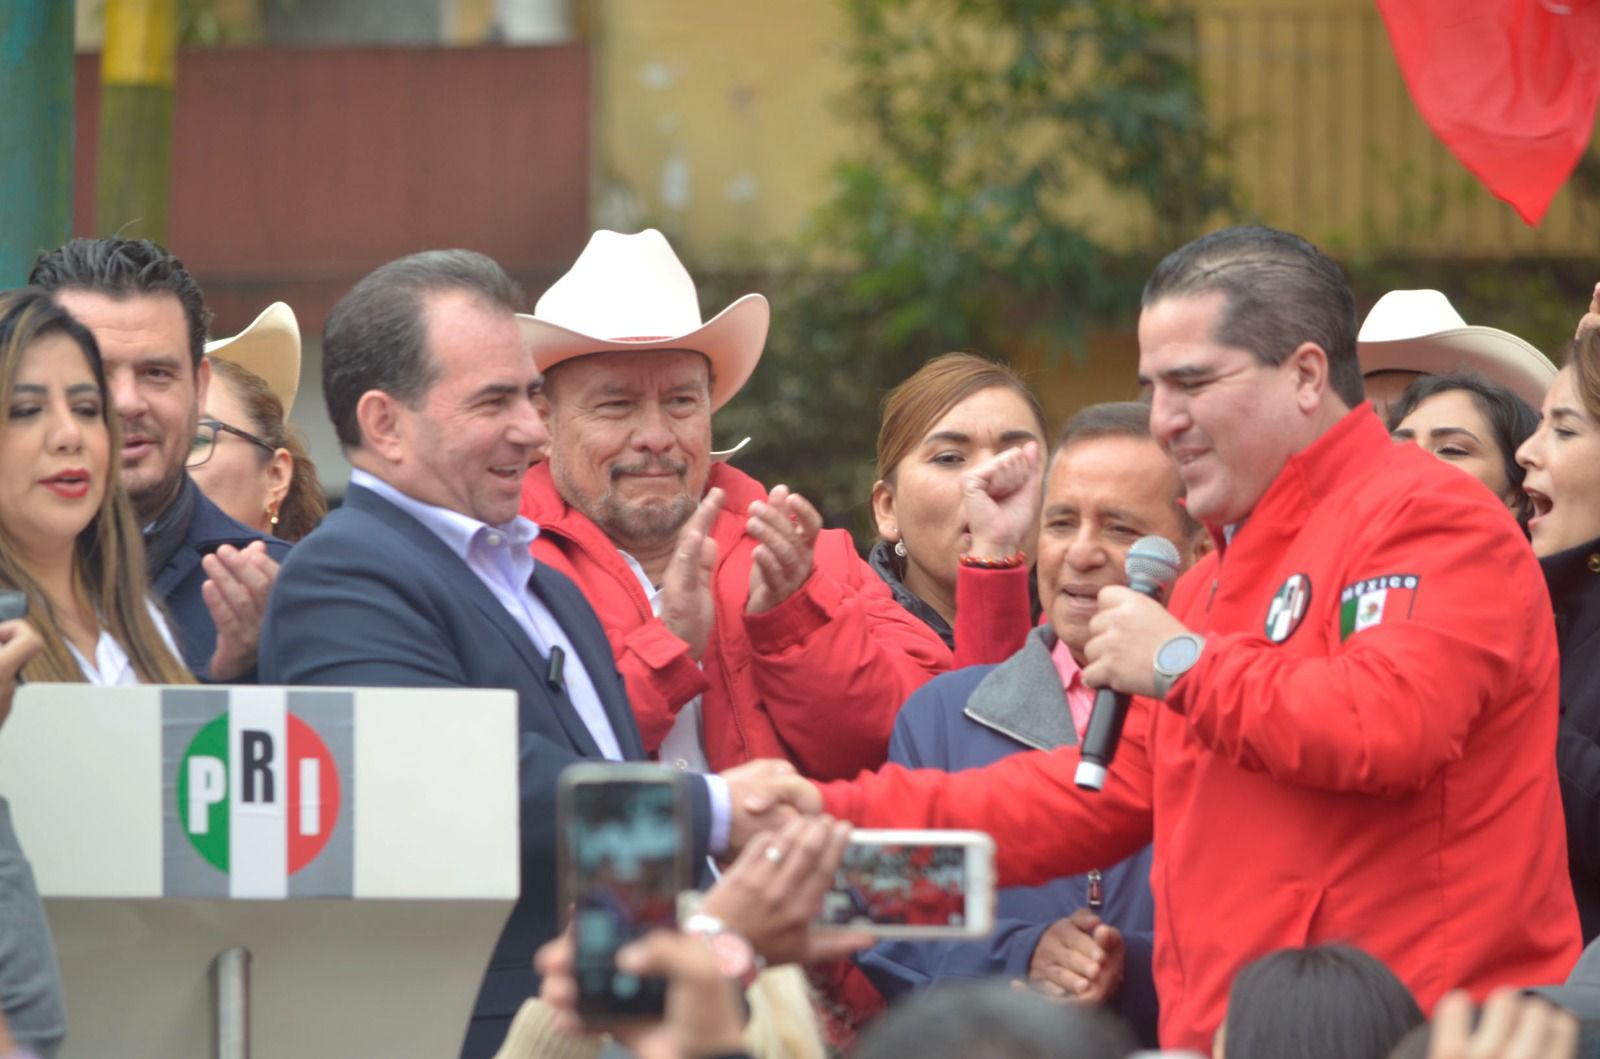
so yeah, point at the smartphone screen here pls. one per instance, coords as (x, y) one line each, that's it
(926, 886)
(626, 865)
(13, 604)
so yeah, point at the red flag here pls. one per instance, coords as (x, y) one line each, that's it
(1509, 86)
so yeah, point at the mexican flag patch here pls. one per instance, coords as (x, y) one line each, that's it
(1374, 600)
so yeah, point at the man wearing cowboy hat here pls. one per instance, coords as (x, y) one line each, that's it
(1410, 333)
(149, 318)
(742, 628)
(423, 578)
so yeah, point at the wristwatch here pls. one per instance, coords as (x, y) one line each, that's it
(1175, 658)
(737, 959)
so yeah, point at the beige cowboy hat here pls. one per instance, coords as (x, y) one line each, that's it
(268, 349)
(1419, 330)
(631, 293)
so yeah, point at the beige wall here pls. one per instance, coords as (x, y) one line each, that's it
(716, 119)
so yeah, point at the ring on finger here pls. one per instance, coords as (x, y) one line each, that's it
(773, 853)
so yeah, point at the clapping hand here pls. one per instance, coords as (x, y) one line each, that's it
(688, 606)
(785, 528)
(238, 583)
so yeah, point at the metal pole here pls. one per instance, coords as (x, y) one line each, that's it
(36, 123)
(230, 993)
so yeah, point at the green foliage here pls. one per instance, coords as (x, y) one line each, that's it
(1023, 164)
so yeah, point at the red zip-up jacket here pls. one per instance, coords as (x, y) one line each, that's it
(1383, 773)
(818, 679)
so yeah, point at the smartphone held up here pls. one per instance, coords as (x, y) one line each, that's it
(914, 884)
(626, 855)
(13, 605)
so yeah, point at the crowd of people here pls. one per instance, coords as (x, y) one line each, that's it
(1359, 777)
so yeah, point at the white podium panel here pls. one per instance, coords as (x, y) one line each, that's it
(362, 844)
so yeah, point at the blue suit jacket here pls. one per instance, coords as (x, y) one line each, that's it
(373, 598)
(177, 584)
(973, 717)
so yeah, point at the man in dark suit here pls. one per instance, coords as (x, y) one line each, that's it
(424, 578)
(149, 319)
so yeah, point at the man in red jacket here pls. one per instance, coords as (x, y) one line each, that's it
(742, 628)
(1344, 728)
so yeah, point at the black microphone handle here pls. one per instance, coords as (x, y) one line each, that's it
(1100, 738)
(1104, 731)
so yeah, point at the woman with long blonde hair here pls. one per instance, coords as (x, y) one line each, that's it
(68, 539)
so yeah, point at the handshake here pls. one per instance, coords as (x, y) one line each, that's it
(766, 795)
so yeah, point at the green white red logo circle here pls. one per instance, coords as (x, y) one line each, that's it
(303, 788)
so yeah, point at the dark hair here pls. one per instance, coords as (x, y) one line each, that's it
(305, 502)
(125, 268)
(108, 554)
(376, 338)
(1120, 419)
(912, 408)
(1510, 420)
(990, 1020)
(1280, 291)
(1324, 1002)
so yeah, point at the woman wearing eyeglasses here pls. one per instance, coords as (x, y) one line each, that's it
(246, 460)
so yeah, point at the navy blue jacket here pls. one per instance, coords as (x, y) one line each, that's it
(973, 717)
(372, 598)
(177, 583)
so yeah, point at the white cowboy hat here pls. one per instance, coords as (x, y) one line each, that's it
(629, 293)
(1419, 330)
(268, 349)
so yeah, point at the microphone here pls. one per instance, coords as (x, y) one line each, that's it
(1151, 566)
(552, 675)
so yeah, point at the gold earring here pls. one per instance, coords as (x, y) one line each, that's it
(272, 513)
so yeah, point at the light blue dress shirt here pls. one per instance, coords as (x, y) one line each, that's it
(500, 558)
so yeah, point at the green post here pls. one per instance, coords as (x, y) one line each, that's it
(137, 70)
(36, 123)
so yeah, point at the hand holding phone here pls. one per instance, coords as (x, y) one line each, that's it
(773, 893)
(19, 643)
(13, 604)
(625, 856)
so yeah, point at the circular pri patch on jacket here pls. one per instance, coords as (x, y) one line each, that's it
(1288, 608)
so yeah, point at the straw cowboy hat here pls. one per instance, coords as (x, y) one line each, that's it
(268, 349)
(1419, 330)
(631, 293)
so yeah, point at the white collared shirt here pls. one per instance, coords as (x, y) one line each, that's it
(500, 558)
(684, 745)
(111, 666)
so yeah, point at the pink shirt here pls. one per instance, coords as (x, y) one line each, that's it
(1080, 696)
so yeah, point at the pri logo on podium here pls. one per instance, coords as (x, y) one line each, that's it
(259, 783)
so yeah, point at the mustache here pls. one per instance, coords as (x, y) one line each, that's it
(648, 465)
(142, 426)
